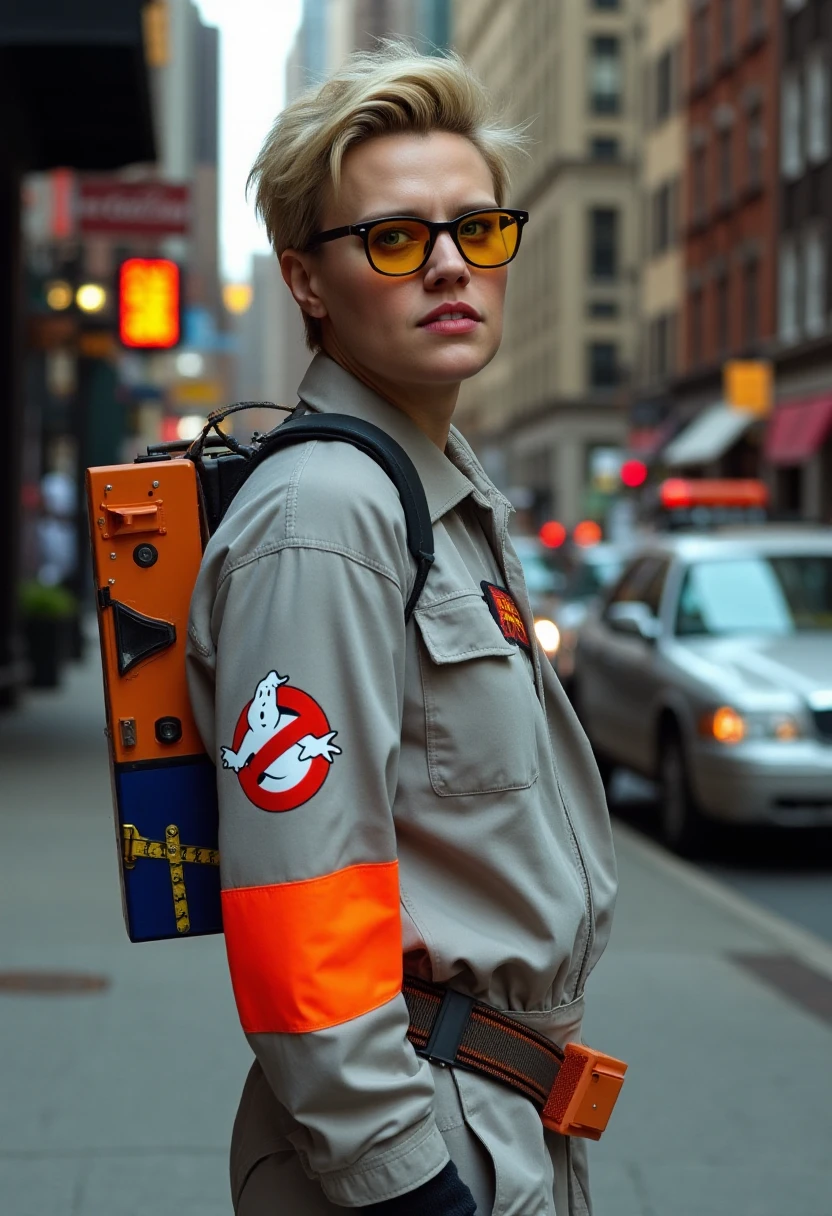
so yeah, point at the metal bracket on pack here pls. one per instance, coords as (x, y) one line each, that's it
(174, 853)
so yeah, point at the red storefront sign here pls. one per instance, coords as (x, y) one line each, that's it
(134, 208)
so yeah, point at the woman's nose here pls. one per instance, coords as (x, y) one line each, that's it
(446, 264)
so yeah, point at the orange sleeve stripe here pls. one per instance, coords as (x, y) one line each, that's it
(312, 954)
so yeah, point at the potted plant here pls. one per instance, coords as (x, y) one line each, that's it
(48, 613)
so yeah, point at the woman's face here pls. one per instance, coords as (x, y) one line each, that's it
(379, 322)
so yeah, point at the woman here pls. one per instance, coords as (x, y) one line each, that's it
(391, 791)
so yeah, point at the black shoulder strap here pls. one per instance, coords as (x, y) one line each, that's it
(387, 453)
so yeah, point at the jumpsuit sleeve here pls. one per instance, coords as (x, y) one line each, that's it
(309, 670)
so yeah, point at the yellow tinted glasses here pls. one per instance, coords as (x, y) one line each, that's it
(403, 243)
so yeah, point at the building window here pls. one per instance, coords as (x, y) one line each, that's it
(755, 148)
(814, 277)
(603, 243)
(699, 176)
(724, 153)
(695, 321)
(664, 87)
(700, 45)
(757, 17)
(606, 5)
(606, 310)
(817, 109)
(602, 360)
(604, 147)
(751, 301)
(661, 341)
(791, 127)
(727, 30)
(722, 315)
(662, 218)
(789, 287)
(605, 75)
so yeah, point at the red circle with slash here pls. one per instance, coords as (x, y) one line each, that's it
(309, 719)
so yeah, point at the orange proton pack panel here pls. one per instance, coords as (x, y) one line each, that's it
(146, 530)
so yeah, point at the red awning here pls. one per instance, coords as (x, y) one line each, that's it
(797, 430)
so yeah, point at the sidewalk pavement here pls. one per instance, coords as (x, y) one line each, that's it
(119, 1101)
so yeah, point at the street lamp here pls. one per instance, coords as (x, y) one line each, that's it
(91, 297)
(58, 295)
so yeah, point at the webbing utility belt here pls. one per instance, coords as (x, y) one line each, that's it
(574, 1090)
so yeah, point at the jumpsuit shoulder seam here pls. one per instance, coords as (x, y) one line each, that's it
(312, 543)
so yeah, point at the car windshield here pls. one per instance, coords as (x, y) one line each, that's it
(769, 595)
(588, 578)
(541, 578)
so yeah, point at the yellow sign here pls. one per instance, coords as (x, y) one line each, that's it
(747, 385)
(156, 23)
(196, 392)
(237, 297)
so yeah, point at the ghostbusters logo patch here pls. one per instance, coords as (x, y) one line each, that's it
(506, 613)
(282, 747)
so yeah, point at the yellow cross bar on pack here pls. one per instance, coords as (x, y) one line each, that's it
(175, 854)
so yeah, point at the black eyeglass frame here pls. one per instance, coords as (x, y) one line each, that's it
(434, 228)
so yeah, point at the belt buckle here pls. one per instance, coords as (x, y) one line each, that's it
(584, 1092)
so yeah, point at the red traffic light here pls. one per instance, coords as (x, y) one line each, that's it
(633, 473)
(552, 534)
(149, 303)
(587, 533)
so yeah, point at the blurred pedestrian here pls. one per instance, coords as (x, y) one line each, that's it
(392, 793)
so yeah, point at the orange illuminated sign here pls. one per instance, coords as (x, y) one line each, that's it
(149, 303)
(678, 492)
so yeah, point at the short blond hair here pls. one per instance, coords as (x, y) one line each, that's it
(392, 90)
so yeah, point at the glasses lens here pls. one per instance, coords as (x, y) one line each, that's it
(489, 238)
(398, 246)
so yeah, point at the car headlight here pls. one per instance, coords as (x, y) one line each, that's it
(548, 634)
(728, 725)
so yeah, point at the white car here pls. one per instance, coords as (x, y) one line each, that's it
(709, 668)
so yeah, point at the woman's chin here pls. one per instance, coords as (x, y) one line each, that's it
(450, 366)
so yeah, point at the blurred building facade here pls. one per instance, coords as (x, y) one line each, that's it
(87, 399)
(799, 440)
(57, 63)
(556, 395)
(662, 254)
(730, 229)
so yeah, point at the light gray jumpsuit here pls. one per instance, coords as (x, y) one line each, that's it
(388, 792)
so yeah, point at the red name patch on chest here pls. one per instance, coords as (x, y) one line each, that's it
(506, 614)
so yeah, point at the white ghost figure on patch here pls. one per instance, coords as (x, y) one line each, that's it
(265, 720)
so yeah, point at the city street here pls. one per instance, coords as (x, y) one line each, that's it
(123, 1063)
(789, 873)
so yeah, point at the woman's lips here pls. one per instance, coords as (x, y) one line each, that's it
(451, 325)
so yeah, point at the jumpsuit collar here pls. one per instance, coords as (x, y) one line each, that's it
(448, 477)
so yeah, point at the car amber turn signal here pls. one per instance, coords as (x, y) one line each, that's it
(727, 725)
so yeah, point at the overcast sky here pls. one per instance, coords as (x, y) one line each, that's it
(254, 38)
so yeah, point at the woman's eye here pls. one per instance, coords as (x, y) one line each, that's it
(393, 237)
(474, 228)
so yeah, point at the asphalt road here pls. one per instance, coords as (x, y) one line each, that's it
(789, 873)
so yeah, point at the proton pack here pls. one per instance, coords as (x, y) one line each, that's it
(149, 523)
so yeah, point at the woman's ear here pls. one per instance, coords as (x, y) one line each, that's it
(298, 274)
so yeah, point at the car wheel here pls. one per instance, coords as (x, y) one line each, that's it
(682, 826)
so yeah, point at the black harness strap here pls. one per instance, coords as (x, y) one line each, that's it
(387, 453)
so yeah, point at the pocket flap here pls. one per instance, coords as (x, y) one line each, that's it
(461, 628)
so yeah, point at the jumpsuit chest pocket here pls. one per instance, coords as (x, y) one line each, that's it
(481, 709)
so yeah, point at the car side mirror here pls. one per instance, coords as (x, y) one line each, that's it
(634, 619)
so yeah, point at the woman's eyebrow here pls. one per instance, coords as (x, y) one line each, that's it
(417, 213)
